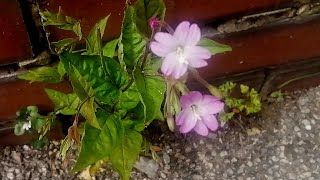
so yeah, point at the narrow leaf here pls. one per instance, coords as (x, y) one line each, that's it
(214, 47)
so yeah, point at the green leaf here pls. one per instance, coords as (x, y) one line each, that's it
(18, 129)
(89, 67)
(64, 44)
(244, 89)
(85, 93)
(110, 48)
(214, 47)
(65, 104)
(133, 42)
(98, 144)
(40, 143)
(126, 153)
(88, 110)
(61, 69)
(60, 21)
(151, 90)
(145, 10)
(42, 74)
(153, 66)
(37, 123)
(129, 99)
(93, 41)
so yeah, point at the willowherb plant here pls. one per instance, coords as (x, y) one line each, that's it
(117, 86)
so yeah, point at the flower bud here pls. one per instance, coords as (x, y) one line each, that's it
(215, 91)
(170, 122)
(154, 23)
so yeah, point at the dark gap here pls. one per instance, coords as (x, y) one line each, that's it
(36, 34)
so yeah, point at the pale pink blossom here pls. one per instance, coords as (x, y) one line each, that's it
(199, 113)
(179, 50)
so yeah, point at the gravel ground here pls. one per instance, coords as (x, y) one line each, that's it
(280, 143)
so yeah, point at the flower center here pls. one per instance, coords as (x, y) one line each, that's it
(181, 57)
(196, 112)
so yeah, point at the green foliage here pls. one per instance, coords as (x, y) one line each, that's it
(109, 48)
(249, 102)
(125, 154)
(40, 143)
(104, 88)
(117, 88)
(225, 117)
(151, 90)
(93, 38)
(42, 74)
(276, 96)
(60, 21)
(65, 104)
(133, 42)
(214, 47)
(146, 9)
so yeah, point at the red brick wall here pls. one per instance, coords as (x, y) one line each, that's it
(255, 49)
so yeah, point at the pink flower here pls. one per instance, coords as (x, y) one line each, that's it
(180, 50)
(154, 23)
(199, 113)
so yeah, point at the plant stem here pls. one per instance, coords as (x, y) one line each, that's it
(168, 28)
(213, 90)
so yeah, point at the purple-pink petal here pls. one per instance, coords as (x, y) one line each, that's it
(179, 71)
(197, 63)
(166, 39)
(201, 128)
(197, 52)
(183, 115)
(194, 35)
(211, 108)
(188, 124)
(195, 97)
(159, 49)
(182, 31)
(211, 122)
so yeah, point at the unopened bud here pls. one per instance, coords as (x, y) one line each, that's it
(215, 91)
(171, 124)
(154, 23)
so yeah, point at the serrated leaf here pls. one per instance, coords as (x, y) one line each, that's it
(214, 47)
(109, 48)
(89, 67)
(125, 154)
(93, 41)
(151, 90)
(133, 42)
(145, 10)
(42, 74)
(98, 144)
(65, 104)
